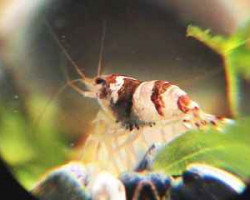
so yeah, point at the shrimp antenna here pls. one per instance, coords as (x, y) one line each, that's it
(99, 69)
(77, 68)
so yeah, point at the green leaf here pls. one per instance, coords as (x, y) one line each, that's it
(228, 150)
(221, 44)
(216, 43)
(235, 51)
(14, 148)
(32, 145)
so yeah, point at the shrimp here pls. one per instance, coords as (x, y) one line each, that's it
(134, 114)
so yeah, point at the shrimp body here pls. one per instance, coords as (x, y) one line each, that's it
(136, 103)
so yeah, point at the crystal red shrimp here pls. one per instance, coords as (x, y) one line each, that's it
(136, 112)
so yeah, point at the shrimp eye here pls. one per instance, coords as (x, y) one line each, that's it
(99, 80)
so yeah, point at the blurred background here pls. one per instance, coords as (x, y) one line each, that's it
(43, 123)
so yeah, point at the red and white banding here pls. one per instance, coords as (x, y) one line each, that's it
(135, 103)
